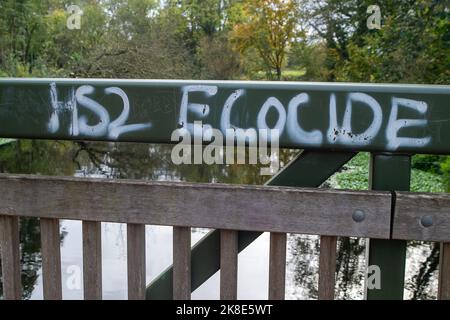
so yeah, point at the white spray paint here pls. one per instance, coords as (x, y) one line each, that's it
(242, 135)
(287, 118)
(79, 124)
(345, 134)
(201, 110)
(336, 134)
(281, 122)
(53, 124)
(394, 125)
(295, 132)
(101, 128)
(225, 122)
(118, 127)
(59, 106)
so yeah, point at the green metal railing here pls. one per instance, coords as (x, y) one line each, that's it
(316, 116)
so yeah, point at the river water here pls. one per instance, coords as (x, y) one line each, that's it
(152, 162)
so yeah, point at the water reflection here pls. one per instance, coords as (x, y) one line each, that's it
(152, 162)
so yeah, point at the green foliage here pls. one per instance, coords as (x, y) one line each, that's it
(292, 75)
(427, 162)
(310, 58)
(36, 157)
(445, 168)
(422, 181)
(413, 46)
(288, 40)
(438, 166)
(218, 60)
(355, 176)
(268, 27)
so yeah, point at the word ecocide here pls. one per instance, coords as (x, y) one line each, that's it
(338, 131)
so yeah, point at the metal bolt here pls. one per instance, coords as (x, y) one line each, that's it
(358, 216)
(427, 221)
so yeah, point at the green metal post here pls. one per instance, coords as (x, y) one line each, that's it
(388, 173)
(309, 169)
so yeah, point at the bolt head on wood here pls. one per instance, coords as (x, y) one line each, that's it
(359, 216)
(427, 221)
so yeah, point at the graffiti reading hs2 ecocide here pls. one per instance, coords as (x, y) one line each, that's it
(397, 118)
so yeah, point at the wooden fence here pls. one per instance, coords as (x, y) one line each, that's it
(230, 208)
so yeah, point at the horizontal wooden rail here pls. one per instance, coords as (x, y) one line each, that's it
(422, 216)
(232, 207)
(280, 210)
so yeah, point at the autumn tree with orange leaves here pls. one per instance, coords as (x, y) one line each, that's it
(268, 26)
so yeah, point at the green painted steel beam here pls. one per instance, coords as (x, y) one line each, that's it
(388, 173)
(309, 169)
(325, 116)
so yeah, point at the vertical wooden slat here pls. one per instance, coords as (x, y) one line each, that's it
(51, 259)
(136, 261)
(327, 267)
(181, 263)
(10, 256)
(277, 266)
(444, 272)
(228, 264)
(92, 260)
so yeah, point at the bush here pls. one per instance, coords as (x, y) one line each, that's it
(429, 163)
(445, 168)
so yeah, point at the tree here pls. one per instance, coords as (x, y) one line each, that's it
(218, 60)
(22, 30)
(35, 40)
(309, 58)
(337, 23)
(269, 26)
(411, 47)
(131, 18)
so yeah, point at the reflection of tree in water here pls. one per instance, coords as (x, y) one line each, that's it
(30, 253)
(152, 162)
(350, 267)
(423, 283)
(304, 261)
(421, 279)
(30, 258)
(305, 264)
(37, 157)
